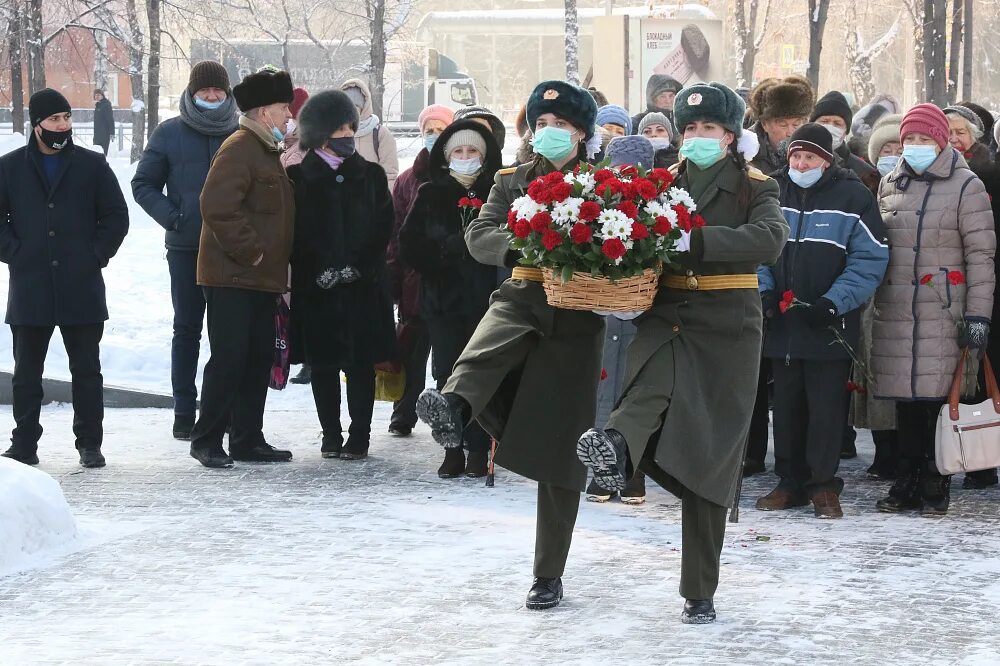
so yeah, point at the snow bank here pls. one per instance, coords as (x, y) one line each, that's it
(34, 516)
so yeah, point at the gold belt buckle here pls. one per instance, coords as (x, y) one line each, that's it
(692, 283)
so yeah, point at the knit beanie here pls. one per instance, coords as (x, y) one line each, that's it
(465, 137)
(473, 112)
(656, 118)
(885, 131)
(566, 100)
(710, 102)
(323, 114)
(634, 150)
(812, 138)
(208, 74)
(833, 104)
(926, 119)
(985, 116)
(614, 115)
(299, 98)
(263, 88)
(974, 121)
(356, 96)
(435, 112)
(46, 102)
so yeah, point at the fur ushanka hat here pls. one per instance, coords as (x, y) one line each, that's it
(791, 97)
(322, 115)
(711, 102)
(565, 100)
(263, 88)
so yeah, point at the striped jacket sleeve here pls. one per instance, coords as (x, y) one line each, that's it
(867, 258)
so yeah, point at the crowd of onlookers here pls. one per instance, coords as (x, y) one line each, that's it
(262, 189)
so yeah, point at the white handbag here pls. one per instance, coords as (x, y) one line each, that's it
(968, 436)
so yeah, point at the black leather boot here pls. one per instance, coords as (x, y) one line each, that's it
(21, 454)
(904, 493)
(698, 611)
(605, 453)
(935, 491)
(447, 415)
(213, 458)
(453, 465)
(91, 458)
(544, 593)
(261, 452)
(183, 425)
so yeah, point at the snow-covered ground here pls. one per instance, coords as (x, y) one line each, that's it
(35, 520)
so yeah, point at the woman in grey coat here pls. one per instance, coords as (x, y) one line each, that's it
(937, 297)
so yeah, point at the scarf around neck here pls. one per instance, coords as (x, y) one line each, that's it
(367, 126)
(211, 122)
(333, 161)
(464, 180)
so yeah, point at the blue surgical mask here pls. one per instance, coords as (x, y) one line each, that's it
(469, 167)
(887, 164)
(703, 151)
(805, 179)
(553, 143)
(429, 141)
(278, 135)
(208, 106)
(920, 158)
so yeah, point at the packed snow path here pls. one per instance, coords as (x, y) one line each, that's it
(379, 561)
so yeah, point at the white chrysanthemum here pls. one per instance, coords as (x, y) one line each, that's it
(526, 207)
(614, 224)
(567, 212)
(585, 180)
(679, 196)
(655, 208)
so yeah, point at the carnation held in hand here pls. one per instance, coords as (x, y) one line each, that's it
(603, 222)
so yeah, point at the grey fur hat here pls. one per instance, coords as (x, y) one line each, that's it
(322, 115)
(634, 150)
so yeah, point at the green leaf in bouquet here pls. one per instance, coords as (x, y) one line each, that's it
(566, 274)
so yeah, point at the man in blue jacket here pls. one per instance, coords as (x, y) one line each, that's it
(834, 260)
(62, 219)
(178, 156)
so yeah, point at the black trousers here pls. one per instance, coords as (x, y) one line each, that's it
(757, 445)
(404, 411)
(241, 336)
(810, 404)
(360, 400)
(448, 336)
(915, 424)
(189, 317)
(83, 347)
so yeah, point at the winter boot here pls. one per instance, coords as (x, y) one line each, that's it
(331, 446)
(91, 458)
(904, 493)
(986, 478)
(635, 490)
(597, 494)
(183, 425)
(21, 454)
(544, 593)
(261, 452)
(698, 611)
(453, 465)
(883, 467)
(447, 415)
(400, 430)
(753, 467)
(478, 464)
(605, 453)
(935, 490)
(356, 448)
(304, 376)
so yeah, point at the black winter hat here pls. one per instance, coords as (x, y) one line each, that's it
(813, 138)
(569, 102)
(710, 102)
(266, 86)
(322, 115)
(208, 74)
(46, 102)
(833, 104)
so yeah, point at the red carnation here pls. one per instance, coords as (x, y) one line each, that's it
(604, 374)
(551, 239)
(511, 218)
(662, 177)
(580, 233)
(644, 188)
(603, 175)
(613, 249)
(611, 185)
(628, 170)
(662, 226)
(956, 277)
(560, 191)
(639, 231)
(629, 208)
(926, 279)
(521, 228)
(476, 203)
(854, 388)
(683, 217)
(463, 202)
(539, 193)
(698, 222)
(553, 178)
(787, 299)
(541, 221)
(589, 211)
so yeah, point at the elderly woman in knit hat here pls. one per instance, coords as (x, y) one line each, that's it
(689, 435)
(455, 288)
(615, 120)
(942, 246)
(341, 315)
(658, 129)
(529, 373)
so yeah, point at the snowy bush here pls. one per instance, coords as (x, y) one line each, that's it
(34, 515)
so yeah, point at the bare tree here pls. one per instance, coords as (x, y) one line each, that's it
(572, 42)
(818, 11)
(955, 49)
(915, 10)
(15, 36)
(153, 67)
(136, 46)
(35, 43)
(860, 57)
(748, 40)
(935, 26)
(967, 58)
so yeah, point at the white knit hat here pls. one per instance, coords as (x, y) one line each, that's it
(465, 137)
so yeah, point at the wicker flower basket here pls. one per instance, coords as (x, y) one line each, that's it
(584, 292)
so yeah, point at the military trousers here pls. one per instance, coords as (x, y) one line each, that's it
(556, 518)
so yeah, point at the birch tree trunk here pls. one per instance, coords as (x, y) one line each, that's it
(376, 77)
(572, 43)
(954, 50)
(967, 58)
(136, 48)
(14, 36)
(36, 46)
(153, 96)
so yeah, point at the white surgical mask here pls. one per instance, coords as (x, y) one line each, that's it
(659, 142)
(469, 167)
(837, 134)
(887, 164)
(290, 127)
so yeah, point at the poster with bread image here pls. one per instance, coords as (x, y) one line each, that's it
(681, 49)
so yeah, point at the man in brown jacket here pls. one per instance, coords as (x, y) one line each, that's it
(247, 210)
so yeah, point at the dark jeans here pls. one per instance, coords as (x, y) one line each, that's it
(360, 400)
(449, 335)
(189, 316)
(83, 347)
(916, 423)
(241, 336)
(757, 445)
(810, 400)
(404, 411)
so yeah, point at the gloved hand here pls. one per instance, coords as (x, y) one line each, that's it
(975, 335)
(820, 314)
(769, 303)
(454, 246)
(335, 277)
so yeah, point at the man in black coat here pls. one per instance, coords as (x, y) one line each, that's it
(104, 121)
(177, 158)
(62, 218)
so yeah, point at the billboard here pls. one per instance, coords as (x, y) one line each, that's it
(686, 50)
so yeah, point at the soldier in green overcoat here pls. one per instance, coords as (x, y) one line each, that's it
(529, 374)
(691, 373)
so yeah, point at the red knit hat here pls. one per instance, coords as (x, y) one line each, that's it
(926, 119)
(299, 97)
(435, 112)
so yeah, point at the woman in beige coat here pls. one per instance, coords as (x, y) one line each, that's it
(939, 222)
(373, 139)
